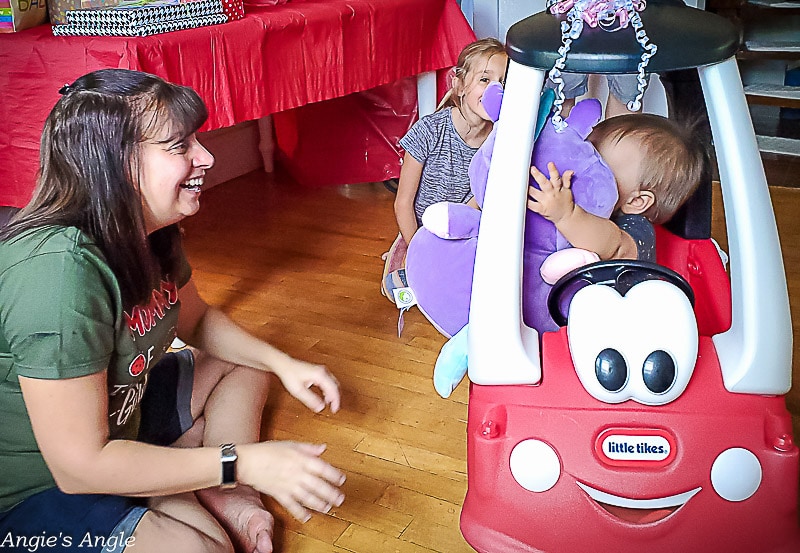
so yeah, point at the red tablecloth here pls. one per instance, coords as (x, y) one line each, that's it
(276, 58)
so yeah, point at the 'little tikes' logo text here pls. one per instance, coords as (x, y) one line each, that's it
(635, 447)
(144, 317)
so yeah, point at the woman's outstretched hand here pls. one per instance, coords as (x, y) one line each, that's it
(298, 377)
(293, 474)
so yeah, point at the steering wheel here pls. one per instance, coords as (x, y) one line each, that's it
(621, 274)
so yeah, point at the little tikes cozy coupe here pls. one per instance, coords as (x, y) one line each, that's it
(653, 419)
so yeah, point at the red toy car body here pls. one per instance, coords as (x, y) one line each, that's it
(694, 431)
(647, 423)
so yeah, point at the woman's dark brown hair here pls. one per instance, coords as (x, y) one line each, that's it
(89, 170)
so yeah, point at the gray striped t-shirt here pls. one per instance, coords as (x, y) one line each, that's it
(435, 143)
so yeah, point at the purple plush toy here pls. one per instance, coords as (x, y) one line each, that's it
(441, 256)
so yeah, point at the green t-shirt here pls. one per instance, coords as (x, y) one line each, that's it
(61, 316)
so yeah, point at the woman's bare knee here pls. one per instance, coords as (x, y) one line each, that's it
(194, 436)
(257, 380)
(158, 533)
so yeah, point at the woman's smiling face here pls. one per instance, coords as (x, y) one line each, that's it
(171, 174)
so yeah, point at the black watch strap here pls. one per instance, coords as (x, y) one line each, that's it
(228, 459)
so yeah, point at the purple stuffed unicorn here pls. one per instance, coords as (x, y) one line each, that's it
(441, 256)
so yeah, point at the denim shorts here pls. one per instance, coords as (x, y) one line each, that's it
(52, 521)
(624, 87)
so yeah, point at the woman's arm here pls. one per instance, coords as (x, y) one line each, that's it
(69, 420)
(212, 331)
(407, 187)
(554, 202)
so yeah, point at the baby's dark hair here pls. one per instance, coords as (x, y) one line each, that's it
(673, 162)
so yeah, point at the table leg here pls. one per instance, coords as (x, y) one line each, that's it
(426, 93)
(266, 143)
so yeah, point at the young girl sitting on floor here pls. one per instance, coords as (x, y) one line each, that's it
(440, 146)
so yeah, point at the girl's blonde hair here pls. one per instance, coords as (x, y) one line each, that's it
(469, 61)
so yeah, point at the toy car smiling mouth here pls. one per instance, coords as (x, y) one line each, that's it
(653, 419)
(638, 511)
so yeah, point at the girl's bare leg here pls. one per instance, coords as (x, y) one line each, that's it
(614, 107)
(567, 106)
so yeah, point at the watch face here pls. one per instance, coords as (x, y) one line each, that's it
(228, 452)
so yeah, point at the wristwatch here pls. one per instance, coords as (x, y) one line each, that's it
(228, 457)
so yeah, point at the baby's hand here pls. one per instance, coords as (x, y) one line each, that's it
(553, 199)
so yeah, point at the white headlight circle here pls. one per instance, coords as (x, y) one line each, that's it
(736, 474)
(535, 465)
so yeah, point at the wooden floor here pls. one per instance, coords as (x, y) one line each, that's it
(300, 268)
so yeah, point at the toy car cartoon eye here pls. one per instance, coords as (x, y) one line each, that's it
(658, 371)
(611, 370)
(641, 346)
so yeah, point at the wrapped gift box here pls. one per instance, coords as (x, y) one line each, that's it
(138, 29)
(16, 15)
(80, 14)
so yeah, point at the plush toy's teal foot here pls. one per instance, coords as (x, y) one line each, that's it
(451, 365)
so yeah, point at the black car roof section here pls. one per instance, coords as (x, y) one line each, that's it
(686, 38)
